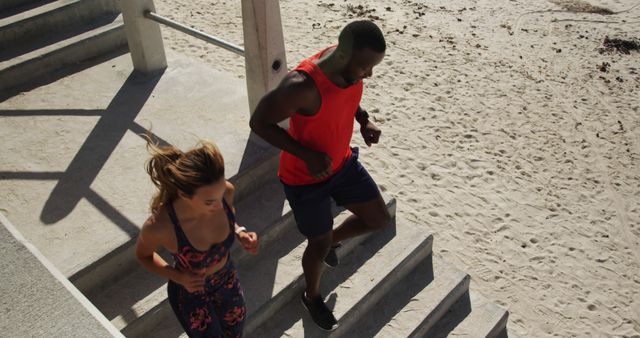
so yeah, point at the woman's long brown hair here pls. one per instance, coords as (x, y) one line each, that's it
(172, 170)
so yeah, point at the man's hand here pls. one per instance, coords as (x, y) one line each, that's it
(370, 133)
(249, 241)
(318, 164)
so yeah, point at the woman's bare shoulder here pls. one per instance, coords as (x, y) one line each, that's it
(229, 192)
(158, 225)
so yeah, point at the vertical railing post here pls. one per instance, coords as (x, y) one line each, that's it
(143, 36)
(264, 54)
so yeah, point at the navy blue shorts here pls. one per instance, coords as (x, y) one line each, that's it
(311, 204)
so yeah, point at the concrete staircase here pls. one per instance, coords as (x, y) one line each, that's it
(374, 269)
(389, 284)
(38, 38)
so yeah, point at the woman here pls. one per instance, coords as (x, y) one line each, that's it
(193, 218)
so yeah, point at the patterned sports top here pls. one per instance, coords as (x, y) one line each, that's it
(190, 258)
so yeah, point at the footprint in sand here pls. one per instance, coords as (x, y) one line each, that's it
(579, 6)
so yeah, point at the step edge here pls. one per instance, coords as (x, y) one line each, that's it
(421, 252)
(61, 46)
(43, 11)
(449, 299)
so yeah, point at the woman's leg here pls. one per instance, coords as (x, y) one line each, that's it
(229, 304)
(195, 312)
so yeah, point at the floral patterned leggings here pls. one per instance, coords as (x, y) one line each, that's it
(219, 311)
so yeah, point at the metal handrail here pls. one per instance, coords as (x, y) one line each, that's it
(195, 33)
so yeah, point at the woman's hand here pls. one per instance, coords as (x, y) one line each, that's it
(249, 241)
(191, 281)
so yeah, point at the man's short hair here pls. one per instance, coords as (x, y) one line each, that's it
(362, 34)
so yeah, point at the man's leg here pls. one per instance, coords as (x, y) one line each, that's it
(311, 207)
(367, 216)
(312, 262)
(312, 265)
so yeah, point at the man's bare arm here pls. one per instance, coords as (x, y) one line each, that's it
(293, 94)
(276, 106)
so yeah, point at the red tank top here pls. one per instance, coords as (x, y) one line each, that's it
(328, 131)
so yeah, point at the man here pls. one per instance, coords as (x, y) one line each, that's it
(322, 98)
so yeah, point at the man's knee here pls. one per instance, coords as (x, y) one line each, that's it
(319, 245)
(381, 221)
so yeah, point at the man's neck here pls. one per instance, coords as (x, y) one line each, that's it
(332, 68)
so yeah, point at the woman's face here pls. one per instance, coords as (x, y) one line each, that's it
(208, 198)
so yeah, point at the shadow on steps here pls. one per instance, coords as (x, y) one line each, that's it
(62, 73)
(458, 312)
(388, 307)
(331, 280)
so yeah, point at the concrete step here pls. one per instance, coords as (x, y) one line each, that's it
(268, 279)
(130, 297)
(12, 7)
(29, 279)
(258, 168)
(485, 320)
(473, 316)
(417, 303)
(36, 64)
(429, 305)
(364, 277)
(25, 46)
(52, 22)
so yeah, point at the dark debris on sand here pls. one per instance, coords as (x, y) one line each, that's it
(604, 67)
(579, 6)
(619, 45)
(361, 11)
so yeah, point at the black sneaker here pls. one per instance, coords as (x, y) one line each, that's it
(320, 313)
(332, 258)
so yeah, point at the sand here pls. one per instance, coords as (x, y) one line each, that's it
(508, 133)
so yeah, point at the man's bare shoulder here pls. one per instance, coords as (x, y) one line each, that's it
(295, 93)
(298, 81)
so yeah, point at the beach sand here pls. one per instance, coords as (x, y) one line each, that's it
(507, 133)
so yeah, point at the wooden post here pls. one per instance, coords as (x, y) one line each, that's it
(264, 54)
(143, 36)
